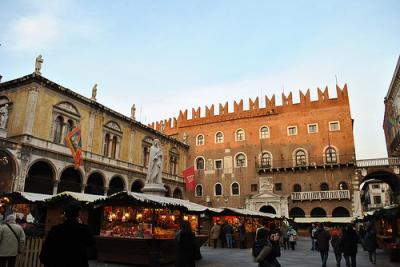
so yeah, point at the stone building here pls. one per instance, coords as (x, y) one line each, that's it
(293, 159)
(35, 116)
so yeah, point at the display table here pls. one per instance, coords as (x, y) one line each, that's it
(136, 251)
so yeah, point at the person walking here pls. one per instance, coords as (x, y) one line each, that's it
(349, 245)
(266, 251)
(312, 231)
(284, 235)
(66, 243)
(336, 245)
(370, 243)
(228, 230)
(12, 241)
(292, 235)
(242, 235)
(322, 238)
(186, 246)
(222, 235)
(215, 233)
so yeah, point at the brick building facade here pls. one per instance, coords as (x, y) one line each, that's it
(291, 159)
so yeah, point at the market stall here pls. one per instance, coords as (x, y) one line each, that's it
(250, 219)
(137, 228)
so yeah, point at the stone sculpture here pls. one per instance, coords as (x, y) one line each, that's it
(38, 64)
(94, 92)
(3, 116)
(154, 172)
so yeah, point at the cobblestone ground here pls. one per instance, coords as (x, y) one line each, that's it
(301, 257)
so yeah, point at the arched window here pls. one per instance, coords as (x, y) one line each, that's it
(200, 163)
(324, 187)
(264, 132)
(58, 125)
(235, 189)
(200, 140)
(218, 189)
(114, 147)
(297, 188)
(301, 158)
(106, 145)
(343, 186)
(199, 190)
(219, 138)
(240, 135)
(330, 155)
(266, 160)
(240, 160)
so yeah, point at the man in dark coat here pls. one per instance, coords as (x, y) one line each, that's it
(186, 246)
(66, 243)
(322, 238)
(370, 243)
(349, 245)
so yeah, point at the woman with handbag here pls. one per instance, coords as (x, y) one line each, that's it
(12, 241)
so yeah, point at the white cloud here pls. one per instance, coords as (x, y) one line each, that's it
(35, 32)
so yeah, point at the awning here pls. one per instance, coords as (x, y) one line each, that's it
(25, 197)
(246, 212)
(81, 197)
(324, 219)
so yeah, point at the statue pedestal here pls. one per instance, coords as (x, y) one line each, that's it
(154, 189)
(3, 133)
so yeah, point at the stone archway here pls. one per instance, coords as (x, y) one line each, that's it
(95, 184)
(388, 177)
(177, 193)
(7, 171)
(318, 212)
(70, 180)
(340, 212)
(117, 184)
(268, 209)
(137, 186)
(297, 212)
(40, 178)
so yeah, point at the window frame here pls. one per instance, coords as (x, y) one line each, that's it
(195, 163)
(335, 155)
(296, 158)
(267, 134)
(215, 191)
(195, 190)
(312, 124)
(238, 188)
(216, 140)
(288, 130)
(245, 160)
(334, 122)
(243, 135)
(197, 140)
(215, 164)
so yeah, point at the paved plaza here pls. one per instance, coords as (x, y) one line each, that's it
(301, 257)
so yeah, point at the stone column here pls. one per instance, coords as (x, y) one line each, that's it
(110, 146)
(117, 148)
(83, 186)
(355, 185)
(31, 109)
(55, 186)
(105, 190)
(92, 118)
(131, 145)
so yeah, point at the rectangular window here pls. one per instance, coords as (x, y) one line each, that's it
(278, 187)
(377, 199)
(313, 128)
(375, 186)
(218, 163)
(292, 130)
(254, 187)
(334, 126)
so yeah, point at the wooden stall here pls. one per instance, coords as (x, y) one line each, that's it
(138, 228)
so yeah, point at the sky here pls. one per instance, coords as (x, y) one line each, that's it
(165, 56)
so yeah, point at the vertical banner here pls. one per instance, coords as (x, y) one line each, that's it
(188, 175)
(74, 142)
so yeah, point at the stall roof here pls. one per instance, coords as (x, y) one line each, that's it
(26, 197)
(81, 197)
(324, 219)
(246, 212)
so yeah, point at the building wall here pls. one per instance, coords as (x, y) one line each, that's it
(279, 145)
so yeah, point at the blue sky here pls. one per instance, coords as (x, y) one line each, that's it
(170, 55)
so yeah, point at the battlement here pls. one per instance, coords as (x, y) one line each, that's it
(170, 126)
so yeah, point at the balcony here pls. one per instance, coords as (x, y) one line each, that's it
(321, 195)
(365, 163)
(307, 163)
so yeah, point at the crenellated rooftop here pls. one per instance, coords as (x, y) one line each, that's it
(271, 108)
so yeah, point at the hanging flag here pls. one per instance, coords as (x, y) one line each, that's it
(74, 142)
(188, 175)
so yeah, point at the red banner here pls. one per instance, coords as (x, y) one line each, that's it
(188, 174)
(74, 142)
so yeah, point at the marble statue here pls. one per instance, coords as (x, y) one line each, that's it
(38, 64)
(3, 116)
(154, 172)
(94, 92)
(133, 111)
